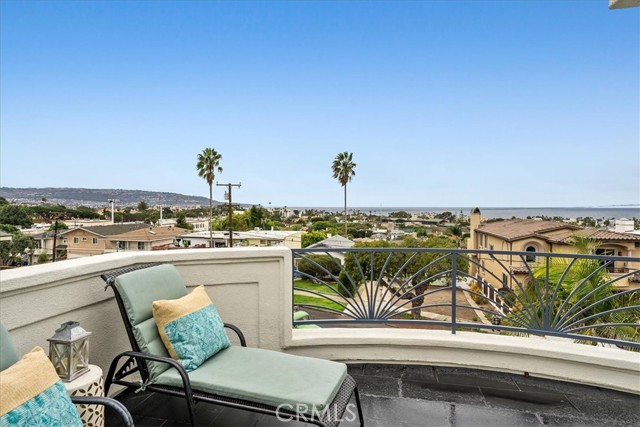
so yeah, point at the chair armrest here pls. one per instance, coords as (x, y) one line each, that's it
(234, 328)
(138, 355)
(118, 407)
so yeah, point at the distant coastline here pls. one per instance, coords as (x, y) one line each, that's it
(617, 212)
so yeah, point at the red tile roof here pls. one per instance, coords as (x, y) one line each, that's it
(516, 229)
(551, 231)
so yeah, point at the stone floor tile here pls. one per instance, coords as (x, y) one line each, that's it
(470, 415)
(477, 378)
(378, 386)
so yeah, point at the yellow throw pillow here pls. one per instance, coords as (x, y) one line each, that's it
(190, 328)
(31, 393)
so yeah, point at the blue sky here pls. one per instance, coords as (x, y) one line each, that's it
(443, 103)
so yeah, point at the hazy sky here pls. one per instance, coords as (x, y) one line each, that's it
(443, 103)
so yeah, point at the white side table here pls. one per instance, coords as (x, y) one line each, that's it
(89, 384)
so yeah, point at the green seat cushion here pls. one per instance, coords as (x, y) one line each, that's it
(138, 290)
(267, 377)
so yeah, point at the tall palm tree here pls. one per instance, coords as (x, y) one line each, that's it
(208, 164)
(343, 169)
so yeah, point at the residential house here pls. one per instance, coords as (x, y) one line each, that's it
(533, 236)
(81, 241)
(260, 238)
(145, 239)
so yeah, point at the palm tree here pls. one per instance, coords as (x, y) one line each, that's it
(457, 233)
(208, 163)
(343, 169)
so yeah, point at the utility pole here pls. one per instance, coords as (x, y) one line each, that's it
(55, 239)
(228, 197)
(113, 203)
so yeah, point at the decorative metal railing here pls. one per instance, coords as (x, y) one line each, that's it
(563, 295)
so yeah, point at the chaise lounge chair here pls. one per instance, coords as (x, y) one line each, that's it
(9, 356)
(306, 389)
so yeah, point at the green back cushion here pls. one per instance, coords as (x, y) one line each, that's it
(267, 377)
(138, 290)
(8, 352)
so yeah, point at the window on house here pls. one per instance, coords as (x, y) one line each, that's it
(141, 246)
(76, 240)
(530, 258)
(94, 240)
(607, 252)
(84, 239)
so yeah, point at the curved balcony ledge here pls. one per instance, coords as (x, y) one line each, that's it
(546, 358)
(252, 288)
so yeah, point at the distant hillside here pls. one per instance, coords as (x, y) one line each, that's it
(97, 197)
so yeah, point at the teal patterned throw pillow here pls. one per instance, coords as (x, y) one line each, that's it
(31, 394)
(190, 328)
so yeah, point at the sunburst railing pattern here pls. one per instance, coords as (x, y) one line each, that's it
(575, 296)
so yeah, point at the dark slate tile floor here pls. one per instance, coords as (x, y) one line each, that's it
(407, 396)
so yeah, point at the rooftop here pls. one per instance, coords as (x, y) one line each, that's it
(411, 395)
(515, 229)
(552, 231)
(336, 241)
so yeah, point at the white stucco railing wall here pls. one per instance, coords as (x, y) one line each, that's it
(244, 283)
(252, 288)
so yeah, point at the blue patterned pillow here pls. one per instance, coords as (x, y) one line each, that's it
(190, 328)
(31, 394)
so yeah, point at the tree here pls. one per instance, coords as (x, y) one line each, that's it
(326, 265)
(12, 251)
(577, 296)
(312, 237)
(15, 215)
(412, 270)
(8, 228)
(58, 226)
(256, 216)
(142, 206)
(343, 170)
(400, 214)
(152, 217)
(181, 221)
(207, 165)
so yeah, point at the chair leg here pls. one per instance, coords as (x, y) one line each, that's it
(359, 406)
(110, 374)
(191, 408)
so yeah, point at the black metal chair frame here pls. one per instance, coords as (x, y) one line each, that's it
(113, 404)
(136, 362)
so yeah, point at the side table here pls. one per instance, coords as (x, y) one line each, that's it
(89, 384)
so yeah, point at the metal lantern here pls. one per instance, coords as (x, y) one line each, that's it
(69, 350)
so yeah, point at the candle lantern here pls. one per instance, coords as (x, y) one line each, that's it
(69, 350)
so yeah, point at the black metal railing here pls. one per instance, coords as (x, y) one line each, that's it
(564, 295)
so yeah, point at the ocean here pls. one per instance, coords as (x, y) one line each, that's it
(620, 212)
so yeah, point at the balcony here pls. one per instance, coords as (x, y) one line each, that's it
(411, 371)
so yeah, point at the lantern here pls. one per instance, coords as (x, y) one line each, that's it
(69, 350)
